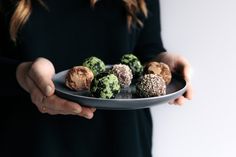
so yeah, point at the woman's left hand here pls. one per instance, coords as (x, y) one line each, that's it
(179, 65)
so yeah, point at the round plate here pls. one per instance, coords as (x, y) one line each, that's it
(125, 100)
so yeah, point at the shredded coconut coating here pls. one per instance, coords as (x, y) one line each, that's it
(123, 73)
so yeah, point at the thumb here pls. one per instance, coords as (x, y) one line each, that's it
(184, 68)
(187, 73)
(41, 72)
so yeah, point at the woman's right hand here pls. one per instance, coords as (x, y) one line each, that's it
(36, 78)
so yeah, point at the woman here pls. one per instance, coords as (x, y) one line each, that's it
(41, 37)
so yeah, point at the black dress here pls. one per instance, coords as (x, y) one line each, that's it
(67, 33)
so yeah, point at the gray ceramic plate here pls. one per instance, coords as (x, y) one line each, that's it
(125, 100)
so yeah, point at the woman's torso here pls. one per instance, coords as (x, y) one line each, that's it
(67, 33)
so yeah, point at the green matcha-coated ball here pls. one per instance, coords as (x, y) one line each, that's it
(133, 62)
(96, 80)
(105, 86)
(95, 64)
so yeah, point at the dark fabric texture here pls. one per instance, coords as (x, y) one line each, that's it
(66, 34)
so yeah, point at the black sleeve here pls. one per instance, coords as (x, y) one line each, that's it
(8, 62)
(149, 43)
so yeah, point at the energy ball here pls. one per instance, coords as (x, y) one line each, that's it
(133, 62)
(159, 68)
(79, 78)
(151, 85)
(95, 64)
(123, 73)
(105, 86)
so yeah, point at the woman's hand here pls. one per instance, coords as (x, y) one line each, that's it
(36, 78)
(181, 66)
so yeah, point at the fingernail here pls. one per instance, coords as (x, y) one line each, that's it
(171, 102)
(77, 111)
(93, 109)
(88, 116)
(48, 90)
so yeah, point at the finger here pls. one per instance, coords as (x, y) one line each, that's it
(93, 109)
(35, 93)
(87, 113)
(171, 102)
(189, 92)
(44, 109)
(62, 106)
(41, 72)
(54, 105)
(37, 97)
(186, 72)
(180, 101)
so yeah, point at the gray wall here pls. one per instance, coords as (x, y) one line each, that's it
(204, 31)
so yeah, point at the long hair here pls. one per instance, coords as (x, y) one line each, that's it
(24, 9)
